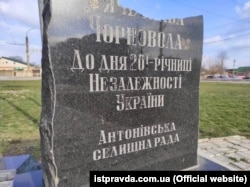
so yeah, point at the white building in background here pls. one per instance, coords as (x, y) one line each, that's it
(16, 68)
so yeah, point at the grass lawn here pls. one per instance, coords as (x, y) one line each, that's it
(224, 111)
(20, 108)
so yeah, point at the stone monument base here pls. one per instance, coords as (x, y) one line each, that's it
(205, 164)
(31, 173)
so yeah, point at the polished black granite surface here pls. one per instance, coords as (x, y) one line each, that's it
(119, 91)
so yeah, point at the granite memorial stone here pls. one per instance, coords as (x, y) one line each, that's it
(119, 91)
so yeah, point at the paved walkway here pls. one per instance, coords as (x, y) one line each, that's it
(232, 152)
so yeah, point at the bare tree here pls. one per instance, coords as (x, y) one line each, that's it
(222, 56)
(19, 58)
(203, 68)
(212, 65)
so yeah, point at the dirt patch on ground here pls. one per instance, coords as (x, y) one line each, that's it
(21, 147)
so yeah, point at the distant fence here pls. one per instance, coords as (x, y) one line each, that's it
(21, 73)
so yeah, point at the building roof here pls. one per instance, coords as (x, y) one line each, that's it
(243, 69)
(15, 60)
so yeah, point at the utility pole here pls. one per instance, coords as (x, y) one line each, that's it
(27, 51)
(234, 67)
(27, 48)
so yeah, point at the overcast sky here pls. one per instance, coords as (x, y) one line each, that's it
(226, 25)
